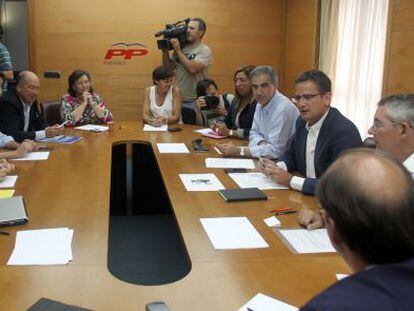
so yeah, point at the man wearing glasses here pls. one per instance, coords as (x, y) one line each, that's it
(393, 133)
(322, 133)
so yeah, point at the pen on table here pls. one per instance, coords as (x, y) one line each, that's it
(4, 233)
(218, 150)
(281, 209)
(63, 124)
(285, 213)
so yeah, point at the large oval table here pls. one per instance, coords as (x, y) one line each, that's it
(72, 189)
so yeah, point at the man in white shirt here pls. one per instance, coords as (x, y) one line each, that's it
(393, 132)
(274, 119)
(322, 133)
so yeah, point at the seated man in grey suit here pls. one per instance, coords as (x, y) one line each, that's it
(322, 133)
(368, 205)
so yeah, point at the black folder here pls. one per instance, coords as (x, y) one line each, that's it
(245, 194)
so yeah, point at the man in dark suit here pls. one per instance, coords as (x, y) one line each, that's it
(20, 115)
(368, 206)
(322, 133)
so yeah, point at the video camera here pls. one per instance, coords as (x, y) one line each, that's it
(177, 30)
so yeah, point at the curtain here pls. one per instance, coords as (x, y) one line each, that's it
(355, 60)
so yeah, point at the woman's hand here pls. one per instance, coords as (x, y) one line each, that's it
(221, 129)
(200, 103)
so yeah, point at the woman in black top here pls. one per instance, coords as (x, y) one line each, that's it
(239, 119)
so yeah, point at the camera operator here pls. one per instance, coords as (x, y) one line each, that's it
(191, 62)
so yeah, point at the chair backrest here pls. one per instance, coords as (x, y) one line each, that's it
(188, 115)
(51, 112)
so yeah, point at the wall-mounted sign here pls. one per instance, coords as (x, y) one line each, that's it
(120, 53)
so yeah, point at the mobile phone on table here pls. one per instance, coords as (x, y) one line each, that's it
(174, 129)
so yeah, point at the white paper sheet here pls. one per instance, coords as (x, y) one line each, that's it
(42, 247)
(172, 148)
(255, 180)
(201, 182)
(203, 131)
(232, 233)
(34, 156)
(9, 181)
(229, 163)
(272, 222)
(262, 302)
(150, 128)
(92, 128)
(308, 241)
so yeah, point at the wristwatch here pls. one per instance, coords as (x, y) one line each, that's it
(242, 151)
(231, 133)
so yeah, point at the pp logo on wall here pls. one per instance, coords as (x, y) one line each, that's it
(120, 53)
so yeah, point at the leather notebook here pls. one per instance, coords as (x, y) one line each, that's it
(245, 194)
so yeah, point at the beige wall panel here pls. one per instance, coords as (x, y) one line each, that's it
(69, 35)
(301, 39)
(399, 65)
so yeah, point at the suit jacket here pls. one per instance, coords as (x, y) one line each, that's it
(337, 134)
(12, 117)
(383, 287)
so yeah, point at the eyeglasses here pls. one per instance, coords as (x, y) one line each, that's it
(307, 97)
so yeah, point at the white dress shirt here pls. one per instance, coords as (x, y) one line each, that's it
(4, 140)
(409, 164)
(26, 111)
(313, 133)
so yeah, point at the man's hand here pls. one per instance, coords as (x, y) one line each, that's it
(279, 175)
(229, 150)
(25, 147)
(311, 219)
(175, 44)
(5, 168)
(55, 130)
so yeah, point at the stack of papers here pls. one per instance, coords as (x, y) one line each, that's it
(62, 139)
(272, 222)
(232, 233)
(92, 128)
(257, 180)
(308, 241)
(34, 156)
(201, 182)
(172, 148)
(8, 182)
(229, 163)
(150, 128)
(42, 247)
(262, 302)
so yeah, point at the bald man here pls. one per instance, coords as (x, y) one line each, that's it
(368, 206)
(20, 115)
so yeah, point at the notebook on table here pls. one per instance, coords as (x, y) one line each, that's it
(246, 194)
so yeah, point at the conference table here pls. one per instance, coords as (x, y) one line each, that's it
(72, 189)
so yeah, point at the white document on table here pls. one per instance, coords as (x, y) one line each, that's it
(9, 181)
(229, 163)
(255, 180)
(262, 302)
(308, 241)
(150, 128)
(232, 233)
(92, 128)
(172, 148)
(34, 156)
(203, 131)
(42, 247)
(201, 182)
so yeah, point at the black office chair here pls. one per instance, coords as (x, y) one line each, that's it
(188, 115)
(51, 112)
